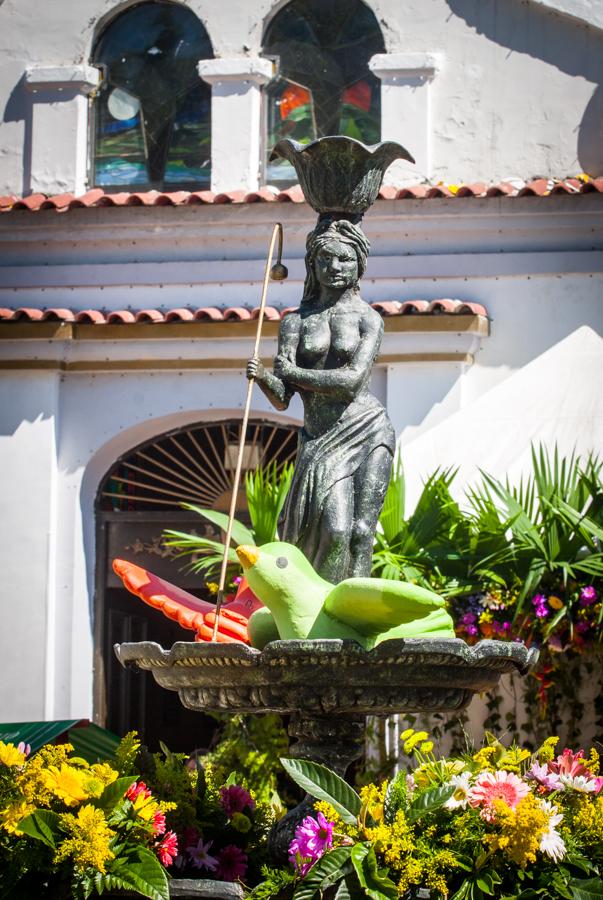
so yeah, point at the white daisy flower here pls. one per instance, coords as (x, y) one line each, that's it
(580, 783)
(462, 786)
(551, 842)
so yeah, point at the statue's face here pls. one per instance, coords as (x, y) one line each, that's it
(336, 265)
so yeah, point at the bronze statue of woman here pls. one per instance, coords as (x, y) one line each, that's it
(326, 351)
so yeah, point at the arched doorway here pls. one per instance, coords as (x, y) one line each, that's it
(138, 498)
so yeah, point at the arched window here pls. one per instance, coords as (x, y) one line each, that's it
(323, 85)
(139, 497)
(152, 111)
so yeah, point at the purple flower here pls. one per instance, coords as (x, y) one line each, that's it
(471, 629)
(541, 609)
(549, 780)
(588, 595)
(469, 618)
(199, 856)
(312, 838)
(235, 799)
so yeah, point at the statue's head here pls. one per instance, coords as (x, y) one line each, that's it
(336, 256)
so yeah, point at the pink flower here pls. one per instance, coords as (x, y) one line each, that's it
(159, 823)
(539, 603)
(548, 780)
(471, 629)
(491, 786)
(167, 849)
(136, 789)
(235, 799)
(24, 748)
(232, 863)
(312, 838)
(570, 764)
(588, 595)
(199, 855)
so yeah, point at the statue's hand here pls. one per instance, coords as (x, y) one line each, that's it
(255, 369)
(283, 367)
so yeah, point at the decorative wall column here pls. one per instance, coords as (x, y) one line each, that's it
(406, 109)
(236, 121)
(57, 143)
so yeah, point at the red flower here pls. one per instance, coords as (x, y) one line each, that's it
(232, 863)
(159, 823)
(136, 789)
(167, 849)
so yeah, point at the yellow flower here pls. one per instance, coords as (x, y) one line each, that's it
(88, 844)
(105, 774)
(512, 758)
(546, 752)
(67, 783)
(10, 755)
(426, 747)
(555, 602)
(416, 738)
(484, 756)
(520, 830)
(588, 820)
(406, 734)
(592, 763)
(373, 798)
(486, 617)
(212, 587)
(14, 814)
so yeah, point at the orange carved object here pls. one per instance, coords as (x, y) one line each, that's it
(185, 609)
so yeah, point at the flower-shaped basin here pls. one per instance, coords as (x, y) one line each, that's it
(330, 677)
(338, 173)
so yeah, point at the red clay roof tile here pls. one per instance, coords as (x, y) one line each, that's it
(386, 308)
(539, 187)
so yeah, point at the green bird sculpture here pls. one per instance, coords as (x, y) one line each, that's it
(299, 604)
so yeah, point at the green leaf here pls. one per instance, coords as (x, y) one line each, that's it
(327, 871)
(428, 801)
(586, 889)
(114, 792)
(143, 872)
(41, 825)
(240, 533)
(374, 880)
(323, 784)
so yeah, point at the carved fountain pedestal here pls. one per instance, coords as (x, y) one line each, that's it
(327, 687)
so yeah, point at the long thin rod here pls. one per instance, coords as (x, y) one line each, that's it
(277, 231)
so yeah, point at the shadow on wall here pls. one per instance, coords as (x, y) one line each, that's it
(19, 108)
(574, 49)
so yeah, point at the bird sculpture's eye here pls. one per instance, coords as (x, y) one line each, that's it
(282, 562)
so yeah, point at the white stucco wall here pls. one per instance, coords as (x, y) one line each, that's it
(517, 91)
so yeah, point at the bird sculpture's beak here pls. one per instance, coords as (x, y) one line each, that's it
(248, 555)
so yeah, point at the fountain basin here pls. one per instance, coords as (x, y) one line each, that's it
(329, 677)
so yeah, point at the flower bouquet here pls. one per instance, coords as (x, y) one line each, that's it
(71, 828)
(221, 825)
(502, 822)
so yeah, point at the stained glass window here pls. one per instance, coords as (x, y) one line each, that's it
(324, 85)
(152, 111)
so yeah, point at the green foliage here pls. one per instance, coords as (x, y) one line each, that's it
(252, 746)
(275, 883)
(543, 534)
(266, 491)
(322, 783)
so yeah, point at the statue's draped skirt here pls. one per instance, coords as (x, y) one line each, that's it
(324, 460)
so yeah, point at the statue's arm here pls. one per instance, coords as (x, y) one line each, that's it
(277, 389)
(344, 382)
